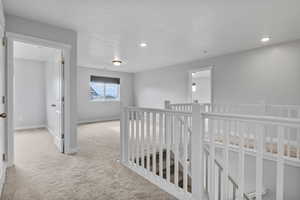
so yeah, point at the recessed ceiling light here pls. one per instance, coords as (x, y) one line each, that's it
(265, 39)
(143, 44)
(117, 62)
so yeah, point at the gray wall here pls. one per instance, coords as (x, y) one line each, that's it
(89, 111)
(45, 31)
(29, 104)
(265, 75)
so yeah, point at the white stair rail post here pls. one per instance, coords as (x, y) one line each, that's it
(124, 134)
(167, 104)
(197, 152)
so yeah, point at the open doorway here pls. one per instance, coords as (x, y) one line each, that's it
(200, 86)
(37, 94)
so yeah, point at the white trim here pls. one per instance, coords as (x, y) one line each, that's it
(57, 140)
(11, 37)
(29, 127)
(204, 68)
(50, 131)
(37, 41)
(2, 179)
(102, 119)
(72, 151)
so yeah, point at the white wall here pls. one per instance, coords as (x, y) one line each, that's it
(266, 75)
(37, 29)
(89, 111)
(29, 92)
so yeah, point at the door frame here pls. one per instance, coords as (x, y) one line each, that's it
(66, 49)
(190, 80)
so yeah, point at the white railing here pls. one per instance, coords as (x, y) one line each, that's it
(155, 145)
(290, 111)
(258, 136)
(188, 153)
(185, 107)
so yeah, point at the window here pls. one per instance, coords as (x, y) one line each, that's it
(104, 88)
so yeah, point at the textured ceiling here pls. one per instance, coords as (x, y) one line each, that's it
(176, 31)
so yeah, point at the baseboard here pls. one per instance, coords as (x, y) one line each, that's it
(72, 151)
(29, 127)
(50, 131)
(2, 179)
(102, 119)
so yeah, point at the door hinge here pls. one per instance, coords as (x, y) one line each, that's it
(63, 99)
(62, 136)
(3, 99)
(4, 41)
(4, 157)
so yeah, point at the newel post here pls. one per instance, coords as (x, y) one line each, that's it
(197, 153)
(124, 134)
(167, 104)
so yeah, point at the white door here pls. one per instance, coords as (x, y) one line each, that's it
(55, 99)
(2, 106)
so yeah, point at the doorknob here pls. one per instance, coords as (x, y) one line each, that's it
(3, 115)
(53, 105)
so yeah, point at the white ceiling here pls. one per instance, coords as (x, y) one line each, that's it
(34, 52)
(176, 31)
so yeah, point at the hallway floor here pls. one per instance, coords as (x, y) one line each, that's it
(41, 173)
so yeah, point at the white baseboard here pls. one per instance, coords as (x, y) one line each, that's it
(50, 131)
(29, 127)
(102, 119)
(72, 151)
(2, 179)
(57, 140)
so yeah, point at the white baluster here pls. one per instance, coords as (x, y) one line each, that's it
(154, 142)
(212, 158)
(143, 138)
(241, 181)
(280, 165)
(176, 148)
(185, 156)
(148, 139)
(161, 144)
(226, 129)
(259, 161)
(137, 133)
(132, 139)
(168, 141)
(197, 152)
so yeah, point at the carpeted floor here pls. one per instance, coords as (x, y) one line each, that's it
(41, 173)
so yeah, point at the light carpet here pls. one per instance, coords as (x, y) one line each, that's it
(42, 173)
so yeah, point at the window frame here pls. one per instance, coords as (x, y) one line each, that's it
(118, 99)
